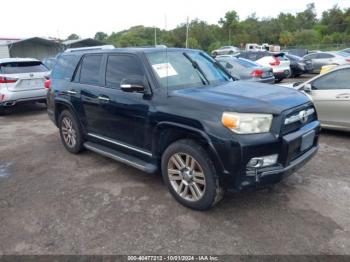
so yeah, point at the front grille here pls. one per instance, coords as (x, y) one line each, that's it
(292, 127)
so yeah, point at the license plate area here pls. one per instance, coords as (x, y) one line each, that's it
(307, 140)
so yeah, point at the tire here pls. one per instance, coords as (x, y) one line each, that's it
(69, 127)
(197, 183)
(278, 80)
(215, 54)
(5, 111)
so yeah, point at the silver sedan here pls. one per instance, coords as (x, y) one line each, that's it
(330, 93)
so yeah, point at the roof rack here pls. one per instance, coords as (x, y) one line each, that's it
(89, 48)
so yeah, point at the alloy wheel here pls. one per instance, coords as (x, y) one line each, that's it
(186, 176)
(68, 132)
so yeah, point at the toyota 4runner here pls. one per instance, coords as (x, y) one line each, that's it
(178, 112)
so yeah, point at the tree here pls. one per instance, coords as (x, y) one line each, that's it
(286, 38)
(230, 24)
(73, 37)
(100, 36)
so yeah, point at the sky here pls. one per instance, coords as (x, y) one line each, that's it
(60, 18)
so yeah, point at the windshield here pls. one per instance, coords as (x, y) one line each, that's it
(343, 54)
(22, 67)
(185, 69)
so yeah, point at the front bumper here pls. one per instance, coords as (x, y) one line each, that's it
(291, 156)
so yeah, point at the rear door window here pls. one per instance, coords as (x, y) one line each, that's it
(22, 67)
(64, 67)
(120, 67)
(90, 70)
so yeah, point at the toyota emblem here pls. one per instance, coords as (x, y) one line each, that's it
(303, 116)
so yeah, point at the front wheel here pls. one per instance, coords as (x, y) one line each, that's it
(190, 175)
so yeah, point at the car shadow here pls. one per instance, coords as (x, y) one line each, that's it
(26, 109)
(337, 133)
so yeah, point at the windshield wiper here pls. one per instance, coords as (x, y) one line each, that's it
(220, 66)
(198, 68)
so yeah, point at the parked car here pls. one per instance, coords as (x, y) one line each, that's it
(225, 50)
(244, 69)
(178, 112)
(346, 50)
(49, 62)
(331, 95)
(277, 61)
(299, 66)
(327, 68)
(21, 80)
(327, 58)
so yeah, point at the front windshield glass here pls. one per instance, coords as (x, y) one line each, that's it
(185, 69)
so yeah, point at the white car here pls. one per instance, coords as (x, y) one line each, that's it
(279, 64)
(225, 50)
(21, 80)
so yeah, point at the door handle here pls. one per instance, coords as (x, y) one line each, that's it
(343, 96)
(103, 98)
(72, 92)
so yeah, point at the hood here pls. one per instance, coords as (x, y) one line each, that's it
(245, 97)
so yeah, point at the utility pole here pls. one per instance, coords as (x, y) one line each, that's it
(155, 36)
(187, 28)
(229, 36)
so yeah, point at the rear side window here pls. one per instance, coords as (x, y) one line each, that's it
(246, 63)
(120, 67)
(22, 67)
(322, 56)
(90, 70)
(64, 67)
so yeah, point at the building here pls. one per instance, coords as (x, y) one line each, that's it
(86, 42)
(35, 47)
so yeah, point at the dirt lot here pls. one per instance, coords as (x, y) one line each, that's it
(53, 202)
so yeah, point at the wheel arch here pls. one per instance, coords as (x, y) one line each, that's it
(167, 133)
(61, 105)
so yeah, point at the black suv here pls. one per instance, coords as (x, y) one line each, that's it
(178, 112)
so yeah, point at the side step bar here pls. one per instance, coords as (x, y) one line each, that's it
(121, 157)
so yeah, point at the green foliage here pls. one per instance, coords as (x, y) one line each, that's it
(100, 36)
(300, 29)
(73, 37)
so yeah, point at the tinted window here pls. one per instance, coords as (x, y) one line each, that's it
(64, 67)
(339, 79)
(311, 56)
(22, 67)
(120, 67)
(322, 56)
(90, 69)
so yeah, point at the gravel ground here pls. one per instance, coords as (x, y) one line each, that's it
(53, 202)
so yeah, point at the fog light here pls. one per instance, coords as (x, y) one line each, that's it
(262, 161)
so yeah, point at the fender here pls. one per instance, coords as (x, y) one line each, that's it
(188, 129)
(61, 101)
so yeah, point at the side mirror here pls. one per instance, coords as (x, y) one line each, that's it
(133, 85)
(307, 88)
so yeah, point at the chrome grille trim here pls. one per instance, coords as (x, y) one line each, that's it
(302, 116)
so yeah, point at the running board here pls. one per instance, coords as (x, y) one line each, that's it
(121, 157)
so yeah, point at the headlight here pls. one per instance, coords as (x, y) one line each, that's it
(244, 123)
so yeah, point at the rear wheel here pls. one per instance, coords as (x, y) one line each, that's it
(70, 132)
(190, 175)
